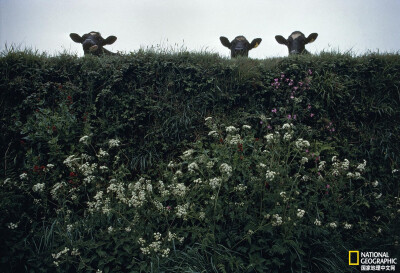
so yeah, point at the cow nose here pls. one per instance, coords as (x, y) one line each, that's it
(88, 43)
(294, 52)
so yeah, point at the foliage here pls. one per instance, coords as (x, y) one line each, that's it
(109, 165)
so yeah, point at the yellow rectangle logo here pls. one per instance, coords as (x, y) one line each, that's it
(352, 262)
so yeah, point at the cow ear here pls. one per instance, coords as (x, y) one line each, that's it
(225, 41)
(311, 38)
(76, 38)
(255, 43)
(281, 40)
(110, 40)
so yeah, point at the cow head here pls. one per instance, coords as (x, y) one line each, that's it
(93, 43)
(296, 42)
(240, 46)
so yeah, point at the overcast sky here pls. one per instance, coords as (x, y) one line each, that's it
(357, 25)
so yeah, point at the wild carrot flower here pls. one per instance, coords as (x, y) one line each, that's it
(300, 213)
(113, 143)
(226, 169)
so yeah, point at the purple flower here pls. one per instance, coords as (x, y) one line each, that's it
(311, 115)
(274, 110)
(289, 116)
(309, 72)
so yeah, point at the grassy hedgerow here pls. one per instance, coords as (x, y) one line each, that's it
(184, 162)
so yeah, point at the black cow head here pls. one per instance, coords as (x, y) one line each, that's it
(240, 46)
(93, 43)
(296, 42)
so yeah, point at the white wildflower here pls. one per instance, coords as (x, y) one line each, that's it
(246, 127)
(55, 190)
(262, 165)
(141, 241)
(361, 167)
(317, 222)
(345, 164)
(231, 129)
(178, 189)
(102, 153)
(181, 211)
(39, 187)
(75, 252)
(375, 183)
(208, 119)
(84, 139)
(50, 166)
(171, 164)
(321, 165)
(213, 134)
(287, 126)
(240, 188)
(377, 195)
(303, 160)
(157, 236)
(113, 143)
(234, 139)
(197, 181)
(301, 143)
(225, 169)
(12, 225)
(347, 226)
(287, 136)
(300, 213)
(276, 220)
(305, 178)
(59, 254)
(215, 182)
(333, 225)
(23, 176)
(269, 138)
(192, 167)
(270, 175)
(187, 154)
(210, 164)
(165, 252)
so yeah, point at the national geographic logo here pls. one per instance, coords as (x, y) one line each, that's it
(372, 261)
(354, 257)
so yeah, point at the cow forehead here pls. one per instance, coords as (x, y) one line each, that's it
(94, 33)
(240, 38)
(295, 35)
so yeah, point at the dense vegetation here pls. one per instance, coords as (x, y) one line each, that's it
(186, 162)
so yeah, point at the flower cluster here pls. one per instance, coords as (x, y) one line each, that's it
(270, 175)
(225, 169)
(276, 220)
(301, 143)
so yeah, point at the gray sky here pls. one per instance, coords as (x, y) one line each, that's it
(357, 25)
